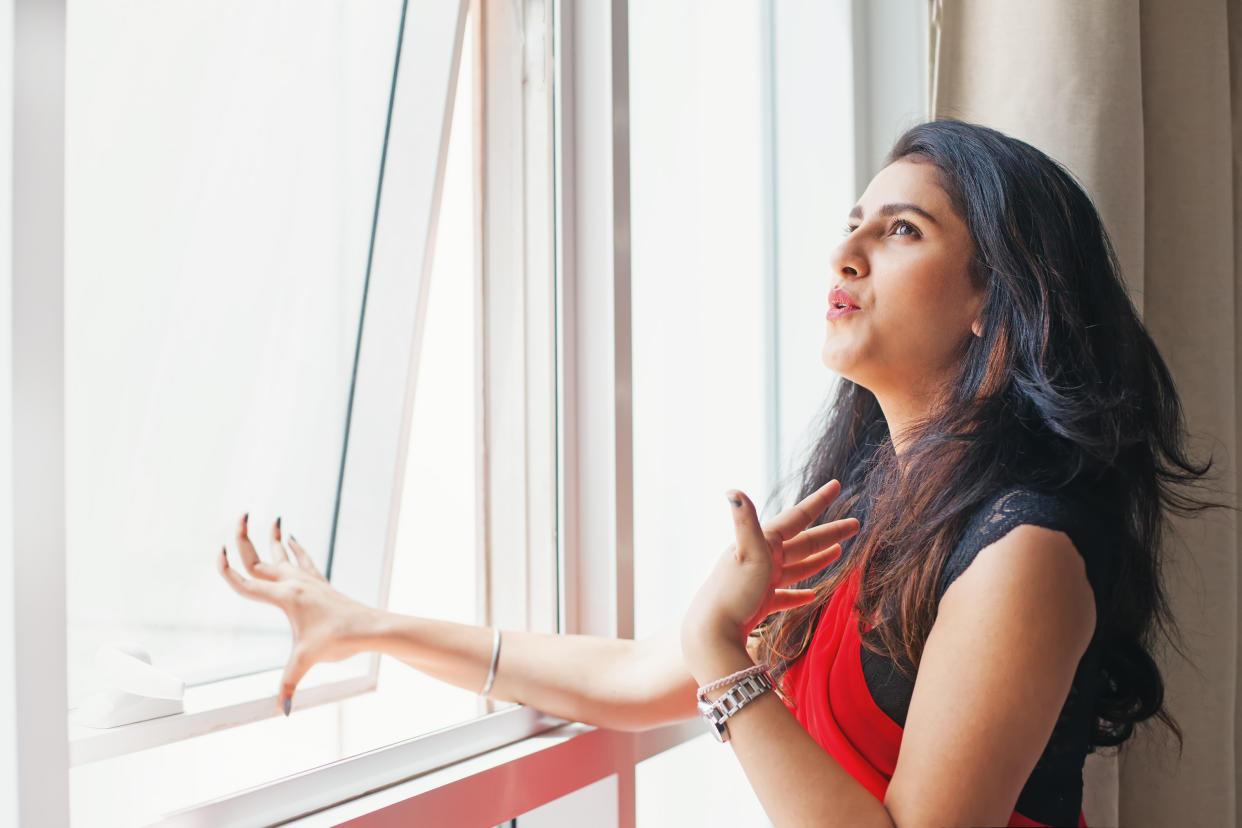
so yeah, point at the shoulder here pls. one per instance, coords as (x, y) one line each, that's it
(1029, 571)
(1022, 615)
(1014, 515)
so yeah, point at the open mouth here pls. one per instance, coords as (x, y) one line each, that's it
(839, 310)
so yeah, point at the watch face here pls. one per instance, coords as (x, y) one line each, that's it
(710, 714)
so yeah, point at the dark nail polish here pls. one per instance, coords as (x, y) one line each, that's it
(288, 702)
(736, 502)
(292, 538)
(277, 524)
(245, 517)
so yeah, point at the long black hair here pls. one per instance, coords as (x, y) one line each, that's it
(1063, 391)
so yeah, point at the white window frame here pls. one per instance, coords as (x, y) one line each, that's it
(37, 359)
(35, 730)
(377, 427)
(426, 778)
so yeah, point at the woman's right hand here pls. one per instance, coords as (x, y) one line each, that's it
(327, 625)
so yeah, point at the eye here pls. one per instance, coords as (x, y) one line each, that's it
(901, 223)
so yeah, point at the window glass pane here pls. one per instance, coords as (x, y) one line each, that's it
(663, 786)
(698, 292)
(696, 121)
(434, 572)
(222, 161)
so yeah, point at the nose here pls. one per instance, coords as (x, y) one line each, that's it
(848, 261)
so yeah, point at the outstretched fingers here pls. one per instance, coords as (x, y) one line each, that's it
(783, 599)
(820, 537)
(247, 587)
(751, 537)
(250, 558)
(797, 517)
(304, 559)
(808, 566)
(278, 549)
(297, 666)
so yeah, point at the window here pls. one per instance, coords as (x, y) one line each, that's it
(701, 290)
(221, 169)
(545, 341)
(255, 321)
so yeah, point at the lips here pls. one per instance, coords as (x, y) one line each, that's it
(840, 303)
(836, 313)
(837, 297)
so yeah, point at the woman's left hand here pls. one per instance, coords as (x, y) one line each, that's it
(747, 584)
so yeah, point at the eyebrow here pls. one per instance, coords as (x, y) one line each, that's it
(894, 209)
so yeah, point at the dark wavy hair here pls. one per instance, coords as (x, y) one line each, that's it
(1063, 391)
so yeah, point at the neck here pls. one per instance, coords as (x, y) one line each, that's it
(901, 411)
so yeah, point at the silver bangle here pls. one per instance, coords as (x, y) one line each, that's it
(491, 673)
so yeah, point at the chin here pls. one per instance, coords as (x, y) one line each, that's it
(836, 362)
(842, 366)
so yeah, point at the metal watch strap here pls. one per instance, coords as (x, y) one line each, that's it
(733, 700)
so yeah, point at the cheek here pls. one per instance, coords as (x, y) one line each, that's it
(923, 316)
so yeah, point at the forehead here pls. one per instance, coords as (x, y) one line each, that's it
(905, 181)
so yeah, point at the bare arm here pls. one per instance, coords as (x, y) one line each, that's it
(615, 683)
(609, 682)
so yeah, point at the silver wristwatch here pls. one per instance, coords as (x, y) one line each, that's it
(737, 697)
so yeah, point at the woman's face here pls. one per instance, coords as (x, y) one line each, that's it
(906, 263)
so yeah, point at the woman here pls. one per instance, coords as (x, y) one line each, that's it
(985, 511)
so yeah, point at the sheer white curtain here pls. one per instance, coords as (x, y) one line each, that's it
(1141, 102)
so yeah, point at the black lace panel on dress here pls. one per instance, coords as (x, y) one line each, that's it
(1053, 794)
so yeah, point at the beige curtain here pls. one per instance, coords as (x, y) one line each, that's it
(1142, 101)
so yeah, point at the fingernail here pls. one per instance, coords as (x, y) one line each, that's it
(245, 517)
(736, 501)
(277, 524)
(288, 702)
(291, 537)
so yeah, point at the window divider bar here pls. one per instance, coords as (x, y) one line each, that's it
(596, 406)
(34, 749)
(771, 255)
(516, 316)
(595, 337)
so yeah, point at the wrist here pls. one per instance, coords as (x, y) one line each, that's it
(710, 634)
(714, 658)
(364, 628)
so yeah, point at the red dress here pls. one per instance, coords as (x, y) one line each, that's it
(845, 720)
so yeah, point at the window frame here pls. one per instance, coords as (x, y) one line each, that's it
(584, 117)
(506, 222)
(35, 730)
(377, 425)
(588, 126)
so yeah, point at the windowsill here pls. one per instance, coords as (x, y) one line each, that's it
(274, 769)
(221, 704)
(507, 762)
(502, 783)
(327, 786)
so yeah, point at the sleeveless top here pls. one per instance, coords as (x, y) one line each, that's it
(854, 702)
